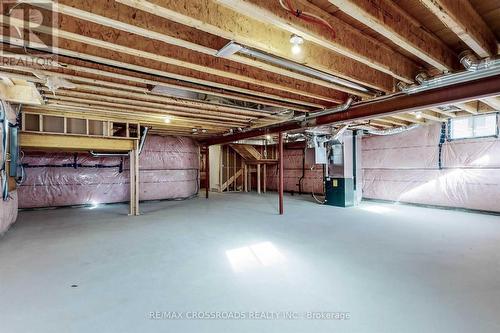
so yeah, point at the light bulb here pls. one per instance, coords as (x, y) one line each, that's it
(167, 120)
(418, 114)
(296, 49)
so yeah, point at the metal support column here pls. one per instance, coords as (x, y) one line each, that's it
(280, 157)
(207, 171)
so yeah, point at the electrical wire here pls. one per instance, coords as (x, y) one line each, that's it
(308, 17)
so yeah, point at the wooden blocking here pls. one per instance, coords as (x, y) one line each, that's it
(76, 126)
(53, 124)
(32, 122)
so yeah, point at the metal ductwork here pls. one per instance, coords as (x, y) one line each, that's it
(310, 119)
(390, 131)
(476, 69)
(471, 63)
(232, 47)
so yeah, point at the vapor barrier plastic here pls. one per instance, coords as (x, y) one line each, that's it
(404, 168)
(292, 173)
(168, 170)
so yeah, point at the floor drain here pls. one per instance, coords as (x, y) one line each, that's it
(74, 285)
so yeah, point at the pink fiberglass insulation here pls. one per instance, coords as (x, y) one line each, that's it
(168, 170)
(404, 167)
(8, 207)
(292, 167)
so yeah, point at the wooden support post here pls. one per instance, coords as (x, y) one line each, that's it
(207, 171)
(280, 183)
(264, 178)
(136, 184)
(134, 180)
(258, 178)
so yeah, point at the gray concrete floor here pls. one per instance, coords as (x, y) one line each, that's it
(394, 268)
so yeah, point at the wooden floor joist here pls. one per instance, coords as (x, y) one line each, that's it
(113, 77)
(389, 20)
(221, 21)
(465, 22)
(107, 57)
(118, 16)
(71, 31)
(344, 39)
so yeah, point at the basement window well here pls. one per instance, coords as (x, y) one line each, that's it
(478, 126)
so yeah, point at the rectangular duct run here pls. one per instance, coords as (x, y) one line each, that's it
(168, 170)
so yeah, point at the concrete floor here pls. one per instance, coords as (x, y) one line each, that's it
(394, 268)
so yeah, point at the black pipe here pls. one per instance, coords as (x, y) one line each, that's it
(303, 170)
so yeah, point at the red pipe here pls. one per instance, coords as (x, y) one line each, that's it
(280, 185)
(207, 171)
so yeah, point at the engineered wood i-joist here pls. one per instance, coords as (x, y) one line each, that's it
(389, 20)
(114, 76)
(218, 20)
(88, 33)
(115, 15)
(344, 39)
(461, 17)
(108, 57)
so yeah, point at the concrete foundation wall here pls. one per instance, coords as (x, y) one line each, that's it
(404, 167)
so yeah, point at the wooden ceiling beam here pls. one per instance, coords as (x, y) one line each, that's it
(114, 78)
(389, 20)
(494, 102)
(448, 114)
(433, 116)
(165, 109)
(409, 118)
(472, 109)
(125, 105)
(77, 110)
(111, 58)
(173, 103)
(461, 18)
(392, 121)
(216, 19)
(344, 39)
(118, 16)
(94, 107)
(88, 33)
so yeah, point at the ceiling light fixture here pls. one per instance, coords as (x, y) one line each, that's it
(167, 120)
(418, 114)
(230, 49)
(296, 41)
